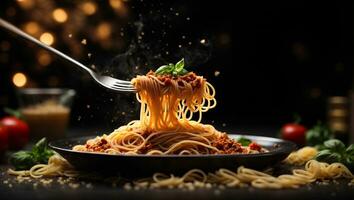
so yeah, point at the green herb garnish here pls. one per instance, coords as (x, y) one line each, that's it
(244, 141)
(23, 160)
(172, 69)
(318, 134)
(335, 151)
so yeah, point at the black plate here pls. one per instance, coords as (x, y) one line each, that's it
(147, 164)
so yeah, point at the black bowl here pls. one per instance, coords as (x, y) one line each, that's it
(136, 165)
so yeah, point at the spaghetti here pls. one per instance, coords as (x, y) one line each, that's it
(195, 178)
(301, 156)
(166, 126)
(56, 166)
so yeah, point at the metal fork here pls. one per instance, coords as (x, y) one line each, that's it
(106, 81)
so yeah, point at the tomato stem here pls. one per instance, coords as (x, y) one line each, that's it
(13, 112)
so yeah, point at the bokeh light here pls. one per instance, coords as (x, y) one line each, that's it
(26, 4)
(103, 30)
(19, 79)
(44, 58)
(47, 38)
(117, 4)
(119, 7)
(60, 15)
(32, 28)
(89, 8)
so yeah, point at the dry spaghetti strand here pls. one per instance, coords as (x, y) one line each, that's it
(56, 166)
(313, 171)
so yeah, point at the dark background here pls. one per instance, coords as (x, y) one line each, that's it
(274, 59)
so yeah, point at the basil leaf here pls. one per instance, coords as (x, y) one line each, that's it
(317, 135)
(350, 150)
(244, 141)
(183, 72)
(40, 154)
(40, 146)
(22, 160)
(323, 155)
(179, 65)
(334, 157)
(320, 147)
(171, 68)
(44, 156)
(335, 145)
(161, 69)
(350, 160)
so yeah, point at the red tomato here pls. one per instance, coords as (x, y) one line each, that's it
(255, 146)
(17, 130)
(294, 132)
(3, 139)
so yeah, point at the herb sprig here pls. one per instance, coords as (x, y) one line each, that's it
(244, 141)
(172, 69)
(23, 160)
(335, 151)
(318, 134)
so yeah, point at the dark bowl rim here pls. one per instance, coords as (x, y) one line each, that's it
(286, 148)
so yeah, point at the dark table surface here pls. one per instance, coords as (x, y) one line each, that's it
(99, 188)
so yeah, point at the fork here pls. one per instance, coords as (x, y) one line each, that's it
(106, 81)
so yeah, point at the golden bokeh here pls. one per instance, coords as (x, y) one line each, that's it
(103, 31)
(119, 7)
(60, 15)
(26, 4)
(19, 79)
(44, 58)
(89, 8)
(32, 28)
(47, 38)
(116, 4)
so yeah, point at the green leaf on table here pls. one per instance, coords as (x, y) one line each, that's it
(318, 134)
(323, 155)
(335, 145)
(350, 150)
(40, 154)
(22, 160)
(40, 146)
(334, 157)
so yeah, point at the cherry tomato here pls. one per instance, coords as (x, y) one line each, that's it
(255, 146)
(3, 139)
(294, 132)
(18, 132)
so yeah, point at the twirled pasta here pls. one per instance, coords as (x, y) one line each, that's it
(168, 105)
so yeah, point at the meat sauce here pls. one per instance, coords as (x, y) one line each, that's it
(99, 146)
(190, 77)
(224, 144)
(227, 145)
